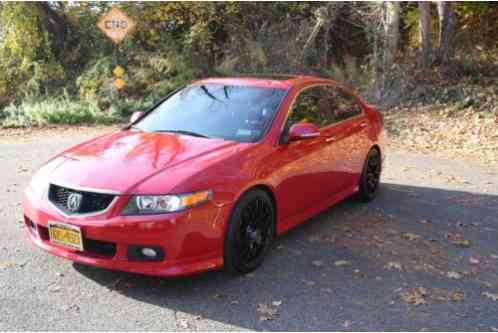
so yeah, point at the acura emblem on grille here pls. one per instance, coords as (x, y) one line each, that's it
(74, 202)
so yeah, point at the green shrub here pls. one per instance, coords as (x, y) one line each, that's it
(95, 81)
(156, 75)
(54, 110)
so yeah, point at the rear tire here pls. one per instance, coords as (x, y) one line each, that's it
(250, 233)
(370, 176)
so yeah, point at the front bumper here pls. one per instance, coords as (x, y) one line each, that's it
(192, 240)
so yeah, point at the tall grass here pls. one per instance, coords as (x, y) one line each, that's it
(54, 110)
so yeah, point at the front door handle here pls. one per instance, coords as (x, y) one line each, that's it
(331, 139)
(363, 124)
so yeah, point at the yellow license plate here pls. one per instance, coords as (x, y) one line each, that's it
(65, 235)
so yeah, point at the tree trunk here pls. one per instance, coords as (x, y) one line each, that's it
(56, 26)
(425, 33)
(447, 29)
(391, 31)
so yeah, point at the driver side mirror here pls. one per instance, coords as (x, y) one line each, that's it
(135, 116)
(301, 131)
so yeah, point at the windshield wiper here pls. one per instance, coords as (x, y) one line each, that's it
(184, 132)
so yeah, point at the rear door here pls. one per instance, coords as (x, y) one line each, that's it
(347, 135)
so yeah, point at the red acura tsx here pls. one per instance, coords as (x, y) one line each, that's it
(208, 177)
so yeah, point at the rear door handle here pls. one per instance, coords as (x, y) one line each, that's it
(363, 124)
(331, 139)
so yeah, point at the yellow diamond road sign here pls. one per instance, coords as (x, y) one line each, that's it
(119, 71)
(116, 25)
(119, 84)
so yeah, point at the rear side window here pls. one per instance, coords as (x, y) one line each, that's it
(342, 105)
(323, 106)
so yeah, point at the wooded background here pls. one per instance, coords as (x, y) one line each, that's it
(56, 65)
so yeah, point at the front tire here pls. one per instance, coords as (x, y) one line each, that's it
(370, 176)
(251, 230)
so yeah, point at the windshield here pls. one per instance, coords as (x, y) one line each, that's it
(239, 113)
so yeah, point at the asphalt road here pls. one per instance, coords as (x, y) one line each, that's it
(423, 256)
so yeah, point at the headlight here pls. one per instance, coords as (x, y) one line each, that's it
(157, 204)
(38, 186)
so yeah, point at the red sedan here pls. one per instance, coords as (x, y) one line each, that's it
(208, 177)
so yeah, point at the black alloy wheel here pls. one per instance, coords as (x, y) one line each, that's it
(370, 177)
(250, 232)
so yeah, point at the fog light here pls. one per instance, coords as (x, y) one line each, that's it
(148, 252)
(144, 253)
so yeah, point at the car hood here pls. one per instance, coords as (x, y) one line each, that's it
(122, 160)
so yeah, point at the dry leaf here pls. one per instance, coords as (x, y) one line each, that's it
(461, 242)
(183, 323)
(491, 296)
(454, 275)
(309, 283)
(411, 236)
(474, 261)
(457, 296)
(342, 263)
(267, 312)
(393, 265)
(276, 303)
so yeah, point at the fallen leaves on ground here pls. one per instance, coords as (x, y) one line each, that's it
(491, 296)
(468, 131)
(458, 240)
(422, 296)
(415, 297)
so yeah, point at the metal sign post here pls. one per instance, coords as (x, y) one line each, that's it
(116, 25)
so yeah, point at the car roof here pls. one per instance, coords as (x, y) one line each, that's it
(279, 81)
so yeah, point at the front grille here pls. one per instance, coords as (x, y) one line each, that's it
(88, 202)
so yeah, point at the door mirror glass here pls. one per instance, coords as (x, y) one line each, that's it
(301, 131)
(135, 116)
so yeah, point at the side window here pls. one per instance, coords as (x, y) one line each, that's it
(322, 106)
(308, 107)
(341, 105)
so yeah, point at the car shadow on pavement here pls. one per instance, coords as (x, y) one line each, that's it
(353, 267)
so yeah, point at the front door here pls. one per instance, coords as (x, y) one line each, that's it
(306, 173)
